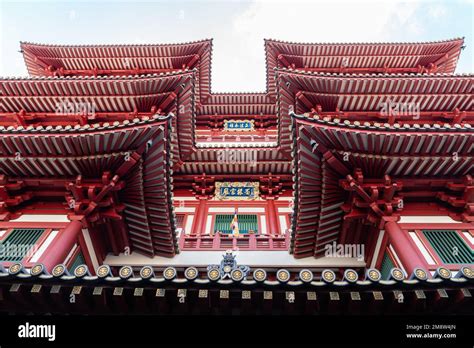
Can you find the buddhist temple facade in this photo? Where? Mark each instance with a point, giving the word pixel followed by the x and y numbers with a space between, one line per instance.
pixel 347 186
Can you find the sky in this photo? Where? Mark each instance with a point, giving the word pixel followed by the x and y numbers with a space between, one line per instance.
pixel 237 27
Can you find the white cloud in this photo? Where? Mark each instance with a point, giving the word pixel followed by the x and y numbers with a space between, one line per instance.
pixel 238 28
pixel 304 21
pixel 436 11
pixel 72 15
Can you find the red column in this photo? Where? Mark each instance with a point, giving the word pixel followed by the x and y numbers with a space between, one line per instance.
pixel 112 240
pixel 344 231
pixel 121 232
pixel 201 217
pixel 61 245
pixel 409 255
pixel 272 217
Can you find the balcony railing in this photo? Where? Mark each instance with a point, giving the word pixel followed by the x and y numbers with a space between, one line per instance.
pixel 243 242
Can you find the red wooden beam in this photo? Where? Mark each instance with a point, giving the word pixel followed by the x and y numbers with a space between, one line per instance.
pixel 192 62
pixel 61 245
pixel 441 60
pixel 302 97
pixel 284 61
pixel 96 198
pixel 405 248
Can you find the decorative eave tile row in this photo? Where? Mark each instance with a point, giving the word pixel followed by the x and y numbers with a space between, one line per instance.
pixel 35 79
pixel 190 290
pixel 393 150
pixel 158 194
pixel 396 127
pixel 79 140
pixel 464 275
pixel 259 145
pixel 317 214
pixel 51 167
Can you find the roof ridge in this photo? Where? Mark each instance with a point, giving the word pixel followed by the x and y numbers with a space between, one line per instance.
pixel 28 43
pixel 253 93
pixel 88 128
pixel 105 77
pixel 381 126
pixel 324 74
pixel 366 43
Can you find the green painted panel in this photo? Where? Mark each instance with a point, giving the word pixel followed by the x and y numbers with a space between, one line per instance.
pixel 246 223
pixel 78 260
pixel 449 246
pixel 387 265
pixel 18 243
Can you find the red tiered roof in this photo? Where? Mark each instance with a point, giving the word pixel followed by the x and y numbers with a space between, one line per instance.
pixel 80 60
pixel 230 104
pixel 35 101
pixel 136 156
pixel 437 56
pixel 206 160
pixel 219 107
pixel 345 83
pixel 236 106
pixel 326 152
pixel 441 98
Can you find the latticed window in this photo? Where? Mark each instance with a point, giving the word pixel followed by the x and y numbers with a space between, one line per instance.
pixel 78 260
pixel 19 244
pixel 449 246
pixel 180 221
pixel 247 223
pixel 387 265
